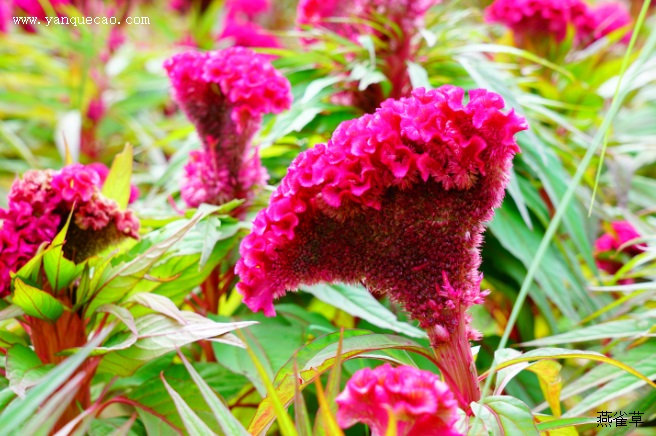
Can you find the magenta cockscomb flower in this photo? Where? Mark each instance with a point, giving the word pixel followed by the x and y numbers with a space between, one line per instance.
pixel 40 203
pixel 537 19
pixel 606 18
pixel 5 17
pixel 225 94
pixel 396 201
pixel 247 34
pixel 421 403
pixel 607 251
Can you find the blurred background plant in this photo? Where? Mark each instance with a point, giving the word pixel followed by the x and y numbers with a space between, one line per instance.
pixel 90 89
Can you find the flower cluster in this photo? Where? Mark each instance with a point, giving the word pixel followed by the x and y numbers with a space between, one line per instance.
pixel 396 200
pixel 225 94
pixel 40 203
pixel 241 25
pixel 421 403
pixel 537 19
pixel 607 246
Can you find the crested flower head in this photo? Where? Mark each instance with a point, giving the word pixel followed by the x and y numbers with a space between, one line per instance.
pixel 225 94
pixel 422 404
pixel 247 34
pixel 606 18
pixel 39 205
pixel 5 16
pixel 608 244
pixel 538 18
pixel 396 200
pixel 246 10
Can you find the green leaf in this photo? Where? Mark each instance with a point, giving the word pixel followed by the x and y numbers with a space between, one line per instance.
pixel 115 283
pixel 614 329
pixel 59 270
pixel 562 353
pixel 117 184
pixel 553 424
pixel 316 86
pixel 194 425
pixel 229 424
pixel 21 410
pixel 159 304
pixel 24 369
pixel 418 76
pixel 358 302
pixel 503 415
pixel 318 357
pixel 159 334
pixel 42 423
pixel 35 302
pixel 11 311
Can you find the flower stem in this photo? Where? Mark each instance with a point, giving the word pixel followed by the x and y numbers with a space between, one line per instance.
pixel 456 363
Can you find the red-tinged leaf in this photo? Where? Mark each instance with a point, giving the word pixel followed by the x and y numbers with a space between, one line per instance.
pixel 503 416
pixel 36 302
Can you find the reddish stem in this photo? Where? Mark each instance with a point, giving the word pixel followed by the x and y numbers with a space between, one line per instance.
pixel 455 360
pixel 49 339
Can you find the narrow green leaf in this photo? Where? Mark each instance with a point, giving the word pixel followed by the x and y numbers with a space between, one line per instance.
pixel 35 302
pixel 21 410
pixel 194 425
pixel 42 423
pixel 564 422
pixel 229 424
pixel 284 421
pixel 626 328
pixel 11 311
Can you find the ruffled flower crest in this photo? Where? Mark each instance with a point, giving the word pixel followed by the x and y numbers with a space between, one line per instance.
pixel 225 94
pixel 39 204
pixel 422 404
pixel 399 198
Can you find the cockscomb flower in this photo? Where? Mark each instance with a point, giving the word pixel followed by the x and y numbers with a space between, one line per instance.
pixel 246 34
pixel 5 16
pixel 225 94
pixel 606 18
pixel 422 404
pixel 607 245
pixel 396 200
pixel 39 205
pixel 537 19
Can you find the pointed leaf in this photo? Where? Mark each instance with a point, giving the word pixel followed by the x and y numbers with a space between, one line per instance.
pixel 229 424
pixel 159 334
pixel 35 302
pixel 194 425
pixel 24 369
pixel 117 184
pixel 505 416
